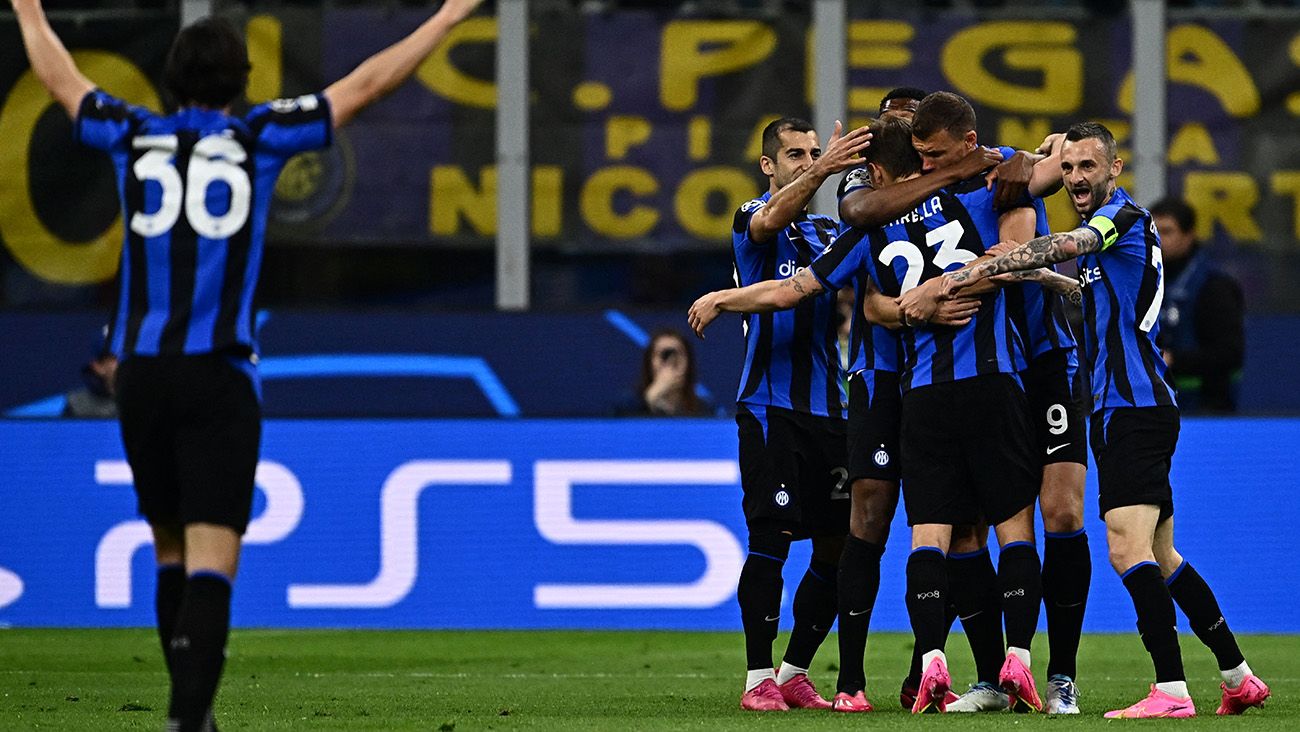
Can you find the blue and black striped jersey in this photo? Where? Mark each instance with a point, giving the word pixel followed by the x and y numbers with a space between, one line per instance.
pixel 1123 287
pixel 871 347
pixel 791 357
pixel 196 189
pixel 943 234
pixel 1039 311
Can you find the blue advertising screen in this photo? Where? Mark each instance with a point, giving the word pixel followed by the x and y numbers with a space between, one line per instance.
pixel 542 524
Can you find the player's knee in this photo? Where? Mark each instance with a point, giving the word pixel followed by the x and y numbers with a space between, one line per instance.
pixel 1169 560
pixel 968 539
pixel 771 539
pixel 1062 517
pixel 1061 501
pixel 874 502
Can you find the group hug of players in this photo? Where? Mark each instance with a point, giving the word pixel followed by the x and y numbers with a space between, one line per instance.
pixel 968 385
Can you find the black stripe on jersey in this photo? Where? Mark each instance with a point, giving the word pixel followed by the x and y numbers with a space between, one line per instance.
pixel 986 322
pixel 826 231
pixel 182 250
pixel 1126 216
pixel 1146 296
pixel 1015 297
pixel 801 339
pixel 1115 362
pixel 137 303
pixel 831 259
pixel 762 361
pixel 238 246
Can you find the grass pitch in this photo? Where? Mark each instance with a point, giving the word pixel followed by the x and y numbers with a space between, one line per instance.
pixel 353 680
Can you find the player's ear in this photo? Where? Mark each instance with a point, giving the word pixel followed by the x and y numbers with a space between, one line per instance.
pixel 1117 167
pixel 767 165
pixel 876 174
pixel 971 139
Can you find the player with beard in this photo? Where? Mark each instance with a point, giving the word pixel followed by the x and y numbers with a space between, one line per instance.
pixel 1134 421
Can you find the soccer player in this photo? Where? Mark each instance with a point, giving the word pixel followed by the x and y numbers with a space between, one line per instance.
pixel 1134 421
pixel 1001 468
pixel 944 131
pixel 790 416
pixel 196 187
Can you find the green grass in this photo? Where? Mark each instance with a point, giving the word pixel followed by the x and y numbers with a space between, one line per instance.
pixel 336 680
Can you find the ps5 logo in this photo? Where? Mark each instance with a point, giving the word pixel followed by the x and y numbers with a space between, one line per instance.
pixel 399 532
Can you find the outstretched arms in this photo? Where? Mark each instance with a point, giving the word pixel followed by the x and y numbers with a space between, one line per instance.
pixel 50 61
pixel 383 72
pixel 760 297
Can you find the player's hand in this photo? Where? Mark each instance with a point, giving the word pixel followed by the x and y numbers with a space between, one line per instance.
pixel 703 311
pixel 841 152
pixel 956 312
pixel 1002 247
pixel 1049 142
pixel 953 283
pixel 1012 176
pixel 919 304
pixel 977 161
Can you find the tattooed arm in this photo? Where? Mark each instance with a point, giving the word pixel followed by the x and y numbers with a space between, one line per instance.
pixel 1054 281
pixel 760 297
pixel 1032 254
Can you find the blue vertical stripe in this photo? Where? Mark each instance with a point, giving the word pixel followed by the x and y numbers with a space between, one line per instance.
pixel 208 280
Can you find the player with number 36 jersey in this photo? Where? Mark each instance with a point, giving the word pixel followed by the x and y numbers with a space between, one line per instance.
pixel 196 186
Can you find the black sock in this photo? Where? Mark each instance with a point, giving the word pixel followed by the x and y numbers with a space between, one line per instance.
pixel 927 597
pixel 1197 600
pixel 167 603
pixel 1020 580
pixel 859 581
pixel 759 595
pixel 974 586
pixel 199 647
pixel 1067 573
pixel 815 606
pixel 1155 619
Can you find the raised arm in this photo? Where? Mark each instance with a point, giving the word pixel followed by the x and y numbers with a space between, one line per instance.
pixel 761 297
pixel 50 61
pixel 1046 178
pixel 1035 253
pixel 870 207
pixel 788 203
pixel 386 70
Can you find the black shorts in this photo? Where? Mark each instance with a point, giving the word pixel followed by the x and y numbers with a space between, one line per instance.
pixel 192 428
pixel 967 452
pixel 1134 449
pixel 875 410
pixel 792 469
pixel 1054 388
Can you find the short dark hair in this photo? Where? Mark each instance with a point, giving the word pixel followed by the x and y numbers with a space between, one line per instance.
pixel 1177 209
pixel 903 92
pixel 207 65
pixel 891 147
pixel 1084 130
pixel 772 133
pixel 943 111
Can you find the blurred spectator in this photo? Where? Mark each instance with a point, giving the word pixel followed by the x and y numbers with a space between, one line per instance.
pixel 668 386
pixel 95 399
pixel 1202 332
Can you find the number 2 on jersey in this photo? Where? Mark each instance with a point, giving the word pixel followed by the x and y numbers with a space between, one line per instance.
pixel 947 237
pixel 214 159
